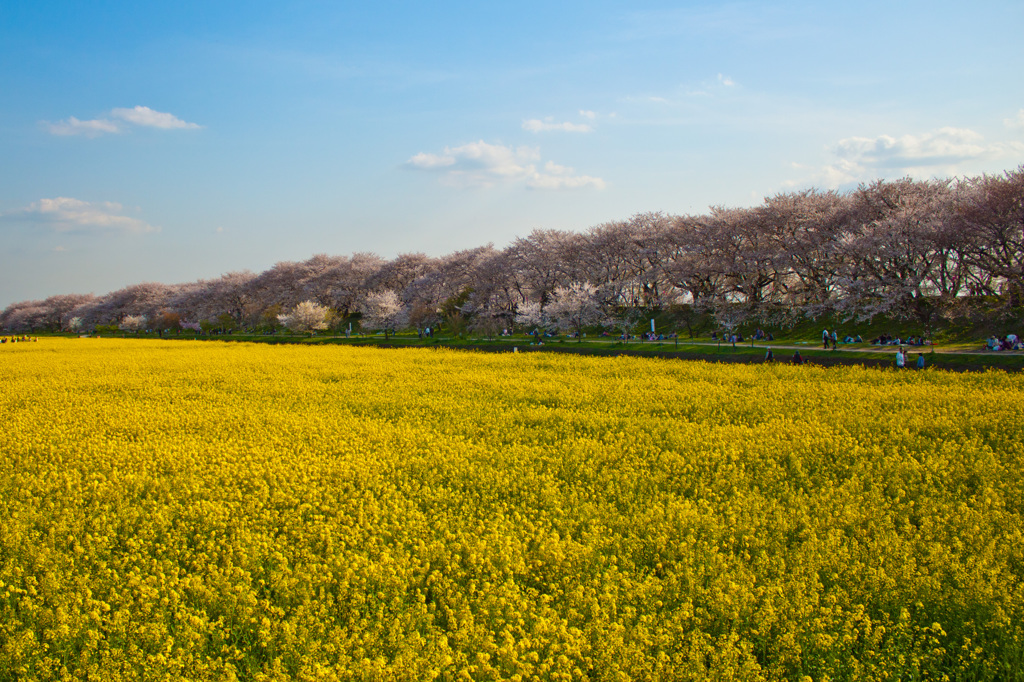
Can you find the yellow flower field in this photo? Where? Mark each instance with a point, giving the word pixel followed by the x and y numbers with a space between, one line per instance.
pixel 216 511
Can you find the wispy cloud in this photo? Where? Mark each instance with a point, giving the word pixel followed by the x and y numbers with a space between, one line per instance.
pixel 479 164
pixel 722 89
pixel 561 177
pixel 535 125
pixel 73 126
pixel 64 214
pixel 144 116
pixel 120 120
pixel 1017 122
pixel 426 161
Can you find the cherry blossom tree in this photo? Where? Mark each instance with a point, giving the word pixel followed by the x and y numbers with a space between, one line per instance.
pixel 445 288
pixel 544 261
pixel 60 309
pixel 399 273
pixel 305 317
pixel 889 251
pixel 24 316
pixel 990 210
pixel 230 294
pixel 384 311
pixel 345 282
pixel 692 265
pixel 806 228
pixel 146 299
pixel 496 292
pixel 644 252
pixel 624 319
pixel 282 284
pixel 607 265
pixel 747 258
pixel 576 307
pixel 132 323
pixel 531 314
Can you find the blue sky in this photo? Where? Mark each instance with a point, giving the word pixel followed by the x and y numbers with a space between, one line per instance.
pixel 177 141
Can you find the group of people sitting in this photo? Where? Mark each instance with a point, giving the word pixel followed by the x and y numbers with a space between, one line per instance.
pixel 728 338
pixel 887 340
pixel 1009 342
pixel 16 339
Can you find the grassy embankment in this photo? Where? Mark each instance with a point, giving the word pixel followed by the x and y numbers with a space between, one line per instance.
pixel 955 347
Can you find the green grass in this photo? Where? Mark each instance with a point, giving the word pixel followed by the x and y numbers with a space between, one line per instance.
pixel 959 346
pixel 947 357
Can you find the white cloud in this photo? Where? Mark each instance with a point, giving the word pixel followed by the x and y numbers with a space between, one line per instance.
pixel 944 152
pixel 64 214
pixel 495 159
pixel 726 81
pixel 588 114
pixel 479 164
pixel 535 125
pixel 428 161
pixel 73 126
pixel 144 116
pixel 940 148
pixel 561 177
pixel 138 116
pixel 554 169
pixel 1017 122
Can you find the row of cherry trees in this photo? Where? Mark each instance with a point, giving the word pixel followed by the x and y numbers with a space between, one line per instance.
pixel 903 248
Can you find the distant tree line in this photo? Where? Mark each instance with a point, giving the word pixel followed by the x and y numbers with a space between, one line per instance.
pixel 905 249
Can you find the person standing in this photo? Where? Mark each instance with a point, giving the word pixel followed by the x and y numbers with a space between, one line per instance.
pixel 920 360
pixel 901 360
pixel 769 356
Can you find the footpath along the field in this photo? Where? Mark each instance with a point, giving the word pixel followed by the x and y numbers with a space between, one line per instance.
pixel 956 360
pixel 957 356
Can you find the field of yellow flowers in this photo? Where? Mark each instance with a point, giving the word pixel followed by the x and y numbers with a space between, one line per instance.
pixel 215 511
